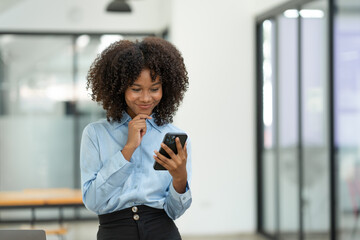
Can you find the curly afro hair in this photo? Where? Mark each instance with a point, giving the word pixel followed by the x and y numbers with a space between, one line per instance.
pixel 118 66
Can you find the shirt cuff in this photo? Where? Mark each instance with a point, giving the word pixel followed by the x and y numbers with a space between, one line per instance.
pixel 180 197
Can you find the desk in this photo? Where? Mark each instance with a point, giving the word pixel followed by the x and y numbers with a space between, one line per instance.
pixel 42 198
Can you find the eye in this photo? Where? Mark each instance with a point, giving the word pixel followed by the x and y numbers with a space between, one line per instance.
pixel 135 89
pixel 154 89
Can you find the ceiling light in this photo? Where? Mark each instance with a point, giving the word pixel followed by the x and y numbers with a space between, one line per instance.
pixel 106 40
pixel 304 13
pixel 311 13
pixel 291 13
pixel 82 41
pixel 118 6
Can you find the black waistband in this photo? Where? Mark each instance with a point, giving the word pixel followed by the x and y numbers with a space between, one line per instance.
pixel 128 213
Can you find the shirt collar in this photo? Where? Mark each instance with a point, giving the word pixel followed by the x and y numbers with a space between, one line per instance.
pixel 126 118
pixel 153 124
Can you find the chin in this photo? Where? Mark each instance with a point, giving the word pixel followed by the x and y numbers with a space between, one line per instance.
pixel 144 112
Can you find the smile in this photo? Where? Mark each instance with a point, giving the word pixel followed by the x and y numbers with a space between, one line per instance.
pixel 145 106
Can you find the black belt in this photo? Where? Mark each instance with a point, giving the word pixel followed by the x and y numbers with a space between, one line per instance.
pixel 135 212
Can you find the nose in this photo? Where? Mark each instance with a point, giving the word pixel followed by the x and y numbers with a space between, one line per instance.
pixel 145 96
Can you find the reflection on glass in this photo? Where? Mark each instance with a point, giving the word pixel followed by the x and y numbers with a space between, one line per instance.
pixel 268 128
pixel 315 123
pixel 347 116
pixel 44 106
pixel 88 110
pixel 268 83
pixel 36 131
pixel 288 127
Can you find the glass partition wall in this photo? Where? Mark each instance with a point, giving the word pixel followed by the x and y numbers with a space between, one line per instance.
pixel 44 106
pixel 347 116
pixel 308 120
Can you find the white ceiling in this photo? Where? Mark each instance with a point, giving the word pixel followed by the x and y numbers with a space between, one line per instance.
pixel 149 16
pixel 6 4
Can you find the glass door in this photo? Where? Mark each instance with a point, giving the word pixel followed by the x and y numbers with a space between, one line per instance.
pixel 269 151
pixel 295 169
pixel 347 116
pixel 315 121
pixel 288 115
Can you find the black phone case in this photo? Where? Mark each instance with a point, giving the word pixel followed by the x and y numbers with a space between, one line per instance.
pixel 169 140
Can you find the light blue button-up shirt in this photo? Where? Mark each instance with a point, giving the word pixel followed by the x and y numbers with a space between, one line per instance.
pixel 109 182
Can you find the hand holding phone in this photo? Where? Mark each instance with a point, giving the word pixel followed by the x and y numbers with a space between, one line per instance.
pixel 169 140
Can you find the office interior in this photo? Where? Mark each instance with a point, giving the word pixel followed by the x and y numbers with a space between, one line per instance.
pixel 272 110
pixel 307 94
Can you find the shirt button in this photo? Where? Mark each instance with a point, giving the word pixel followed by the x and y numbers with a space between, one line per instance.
pixel 134 209
pixel 136 217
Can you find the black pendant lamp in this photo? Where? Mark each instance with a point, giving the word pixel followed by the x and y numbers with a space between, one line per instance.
pixel 118 6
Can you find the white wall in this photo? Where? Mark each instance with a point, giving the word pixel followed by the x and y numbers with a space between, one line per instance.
pixel 217 41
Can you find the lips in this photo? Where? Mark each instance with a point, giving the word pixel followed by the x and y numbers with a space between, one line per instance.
pixel 145 106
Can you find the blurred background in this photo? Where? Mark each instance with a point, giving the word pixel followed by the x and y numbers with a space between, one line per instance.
pixel 272 109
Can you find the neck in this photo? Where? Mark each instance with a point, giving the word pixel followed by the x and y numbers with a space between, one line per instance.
pixel 131 113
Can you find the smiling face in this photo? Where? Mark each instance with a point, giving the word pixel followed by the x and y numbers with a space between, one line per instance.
pixel 144 95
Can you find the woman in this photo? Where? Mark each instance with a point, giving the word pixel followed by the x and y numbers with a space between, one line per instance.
pixel 140 85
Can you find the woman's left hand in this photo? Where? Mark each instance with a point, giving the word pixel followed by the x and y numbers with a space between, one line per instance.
pixel 176 165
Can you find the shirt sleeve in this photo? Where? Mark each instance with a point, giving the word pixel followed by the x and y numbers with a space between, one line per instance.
pixel 100 178
pixel 177 203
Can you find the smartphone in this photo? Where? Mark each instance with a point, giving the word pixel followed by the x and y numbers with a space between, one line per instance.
pixel 169 140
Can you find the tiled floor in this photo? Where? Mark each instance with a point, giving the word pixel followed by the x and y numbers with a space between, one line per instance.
pixel 87 231
pixel 225 237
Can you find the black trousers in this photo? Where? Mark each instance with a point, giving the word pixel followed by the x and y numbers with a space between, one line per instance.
pixel 137 223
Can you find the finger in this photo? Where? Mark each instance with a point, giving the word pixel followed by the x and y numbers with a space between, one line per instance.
pixel 140 123
pixel 179 147
pixel 142 116
pixel 143 132
pixel 142 129
pixel 164 160
pixel 160 156
pixel 185 150
pixel 163 163
pixel 137 123
pixel 169 151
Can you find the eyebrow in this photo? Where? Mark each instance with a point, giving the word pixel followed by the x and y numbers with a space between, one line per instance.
pixel 138 85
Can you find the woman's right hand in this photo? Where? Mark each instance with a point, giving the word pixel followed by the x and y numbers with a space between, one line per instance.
pixel 136 131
